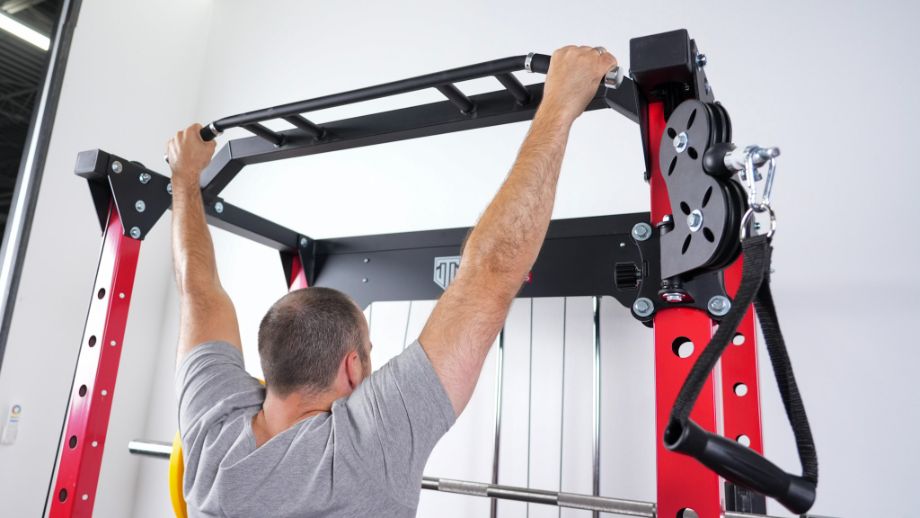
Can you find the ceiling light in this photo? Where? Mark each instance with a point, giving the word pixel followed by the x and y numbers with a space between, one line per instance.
pixel 17 28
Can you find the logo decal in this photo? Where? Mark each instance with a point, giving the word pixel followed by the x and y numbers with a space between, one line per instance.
pixel 445 269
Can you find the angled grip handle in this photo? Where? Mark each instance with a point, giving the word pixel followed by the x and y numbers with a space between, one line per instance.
pixel 741 465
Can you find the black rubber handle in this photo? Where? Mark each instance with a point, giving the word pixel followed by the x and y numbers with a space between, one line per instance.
pixel 539 63
pixel 207 133
pixel 739 464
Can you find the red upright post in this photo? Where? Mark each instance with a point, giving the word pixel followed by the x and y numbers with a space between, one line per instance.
pixel 80 458
pixel 683 483
pixel 298 278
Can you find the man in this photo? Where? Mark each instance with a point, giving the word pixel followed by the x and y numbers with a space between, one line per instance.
pixel 325 437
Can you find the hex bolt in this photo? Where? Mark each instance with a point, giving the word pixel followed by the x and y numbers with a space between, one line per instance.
pixel 641 231
pixel 169 188
pixel 366 260
pixel 700 60
pixel 364 279
pixel 695 220
pixel 140 206
pixel 135 232
pixel 219 207
pixel 681 142
pixel 719 305
pixel 643 307
pixel 304 242
pixel 144 178
pixel 117 167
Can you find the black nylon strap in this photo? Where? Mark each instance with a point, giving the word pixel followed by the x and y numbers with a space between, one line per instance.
pixel 754 288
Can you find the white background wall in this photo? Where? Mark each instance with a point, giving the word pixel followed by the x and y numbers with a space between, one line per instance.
pixel 829 82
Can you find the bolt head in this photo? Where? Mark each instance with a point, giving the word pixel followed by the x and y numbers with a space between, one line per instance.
pixel 364 279
pixel 117 168
pixel 140 206
pixel 144 178
pixel 169 188
pixel 219 208
pixel 701 60
pixel 641 231
pixel 643 307
pixel 304 242
pixel 135 232
pixel 719 305
pixel 695 220
pixel 681 142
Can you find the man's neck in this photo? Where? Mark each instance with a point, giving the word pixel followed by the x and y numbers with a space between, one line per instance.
pixel 280 413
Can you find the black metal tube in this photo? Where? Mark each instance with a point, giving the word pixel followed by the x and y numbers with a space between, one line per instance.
pixel 514 87
pixel 307 126
pixel 265 133
pixel 454 95
pixel 539 63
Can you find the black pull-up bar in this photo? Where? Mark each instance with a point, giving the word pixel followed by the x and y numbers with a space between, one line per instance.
pixel 443 81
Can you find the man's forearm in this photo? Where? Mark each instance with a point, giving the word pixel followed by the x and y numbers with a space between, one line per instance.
pixel 508 237
pixel 193 250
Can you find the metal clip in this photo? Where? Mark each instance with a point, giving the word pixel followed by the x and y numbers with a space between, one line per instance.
pixel 754 158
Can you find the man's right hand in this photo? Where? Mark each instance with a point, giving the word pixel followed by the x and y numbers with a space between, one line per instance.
pixel 573 78
pixel 188 154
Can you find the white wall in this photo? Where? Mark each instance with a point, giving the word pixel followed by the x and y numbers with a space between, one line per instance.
pixel 827 81
pixel 132 78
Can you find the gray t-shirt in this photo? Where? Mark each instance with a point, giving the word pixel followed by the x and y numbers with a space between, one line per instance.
pixel 363 458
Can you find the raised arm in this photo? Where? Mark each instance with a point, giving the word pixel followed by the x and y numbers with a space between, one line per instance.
pixel 503 246
pixel 206 312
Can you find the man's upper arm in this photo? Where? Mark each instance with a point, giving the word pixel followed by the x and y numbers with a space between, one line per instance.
pixel 462 328
pixel 206 316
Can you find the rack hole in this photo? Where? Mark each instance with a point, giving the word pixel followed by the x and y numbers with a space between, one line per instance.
pixel 707 196
pixel 744 440
pixel 62 495
pixel 741 389
pixel 72 442
pixel 101 293
pixel 92 341
pixel 738 339
pixel 708 235
pixel 683 249
pixel 672 166
pixel 682 347
pixel 691 119
pixel 82 390
pixel 672 133
pixel 692 152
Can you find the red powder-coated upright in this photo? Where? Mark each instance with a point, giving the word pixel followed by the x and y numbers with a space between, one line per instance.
pixel 80 458
pixel 683 483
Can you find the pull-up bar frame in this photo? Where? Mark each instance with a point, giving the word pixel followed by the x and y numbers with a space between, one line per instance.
pixel 610 258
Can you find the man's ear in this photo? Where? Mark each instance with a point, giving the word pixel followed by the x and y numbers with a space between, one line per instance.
pixel 354 369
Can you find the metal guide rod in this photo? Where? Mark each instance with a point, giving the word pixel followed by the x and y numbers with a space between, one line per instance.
pixel 596 474
pixel 499 393
pixel 619 506
pixel 565 307
pixel 539 63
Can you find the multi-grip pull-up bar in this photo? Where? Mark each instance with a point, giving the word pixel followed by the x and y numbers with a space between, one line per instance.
pixel 677 268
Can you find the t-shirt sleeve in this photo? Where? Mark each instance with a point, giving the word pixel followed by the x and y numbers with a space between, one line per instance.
pixel 212 385
pixel 397 416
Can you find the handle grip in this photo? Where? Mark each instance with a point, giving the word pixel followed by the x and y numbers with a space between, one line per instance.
pixel 739 464
pixel 539 63
pixel 209 132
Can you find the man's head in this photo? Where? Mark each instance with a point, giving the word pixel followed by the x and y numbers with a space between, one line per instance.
pixel 314 340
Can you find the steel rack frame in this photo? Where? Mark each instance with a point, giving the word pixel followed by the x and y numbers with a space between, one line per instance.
pixel 617 255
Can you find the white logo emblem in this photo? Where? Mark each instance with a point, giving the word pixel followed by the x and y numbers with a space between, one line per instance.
pixel 445 269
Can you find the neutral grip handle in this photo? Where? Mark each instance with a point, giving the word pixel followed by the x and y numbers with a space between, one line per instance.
pixel 739 464
pixel 539 64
